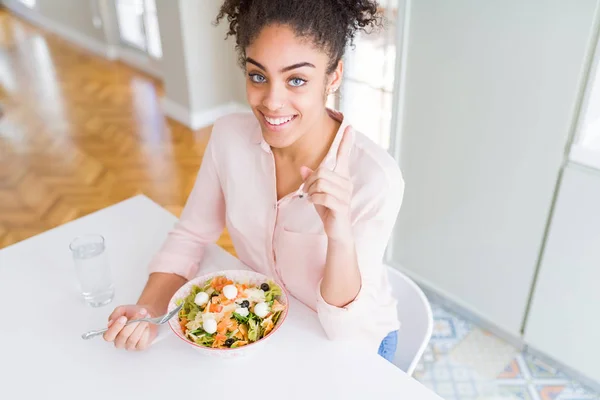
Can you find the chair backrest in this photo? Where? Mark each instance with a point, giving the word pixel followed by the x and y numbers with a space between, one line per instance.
pixel 416 321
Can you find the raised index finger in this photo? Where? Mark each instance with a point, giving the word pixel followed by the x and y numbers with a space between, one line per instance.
pixel 343 154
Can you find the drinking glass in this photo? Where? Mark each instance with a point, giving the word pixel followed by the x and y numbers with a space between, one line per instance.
pixel 92 269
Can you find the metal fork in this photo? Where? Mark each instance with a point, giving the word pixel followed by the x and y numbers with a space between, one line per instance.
pixel 157 321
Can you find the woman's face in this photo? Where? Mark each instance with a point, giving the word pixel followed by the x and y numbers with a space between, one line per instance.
pixel 286 84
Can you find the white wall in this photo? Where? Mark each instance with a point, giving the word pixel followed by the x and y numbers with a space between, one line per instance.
pixel 489 97
pixel 200 74
pixel 173 65
pixel 213 73
pixel 75 14
pixel 72 19
pixel 564 321
pixel 199 65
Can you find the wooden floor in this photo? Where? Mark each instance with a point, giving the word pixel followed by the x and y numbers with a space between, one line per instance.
pixel 79 133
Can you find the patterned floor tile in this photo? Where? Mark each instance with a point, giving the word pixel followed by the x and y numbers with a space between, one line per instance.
pixel 531 379
pixel 518 392
pixel 575 391
pixel 542 370
pixel 448 331
pixel 462 362
pixel 453 380
pixel 427 361
pixel 484 353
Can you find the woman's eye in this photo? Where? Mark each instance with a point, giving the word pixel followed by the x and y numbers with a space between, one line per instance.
pixel 297 82
pixel 256 78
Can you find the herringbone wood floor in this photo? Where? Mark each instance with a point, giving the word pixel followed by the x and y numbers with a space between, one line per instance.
pixel 80 133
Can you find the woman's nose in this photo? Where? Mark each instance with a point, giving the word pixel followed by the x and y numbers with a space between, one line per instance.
pixel 274 99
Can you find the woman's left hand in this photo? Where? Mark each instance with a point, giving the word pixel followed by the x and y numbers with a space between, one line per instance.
pixel 331 192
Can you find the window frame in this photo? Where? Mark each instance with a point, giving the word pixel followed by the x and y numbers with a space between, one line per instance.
pixel 579 152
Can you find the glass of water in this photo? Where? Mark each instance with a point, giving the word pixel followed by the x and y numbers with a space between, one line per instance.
pixel 93 272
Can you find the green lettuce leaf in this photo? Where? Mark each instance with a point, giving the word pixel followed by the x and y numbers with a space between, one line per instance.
pixel 273 292
pixel 276 317
pixel 253 331
pixel 206 286
pixel 192 315
pixel 240 319
pixel 205 340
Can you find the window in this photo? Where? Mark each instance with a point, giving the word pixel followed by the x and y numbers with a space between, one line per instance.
pixel 28 3
pixel 586 148
pixel 590 126
pixel 369 79
pixel 138 25
pixel 152 31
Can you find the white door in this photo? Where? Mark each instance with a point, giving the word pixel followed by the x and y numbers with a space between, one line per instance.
pixel 486 110
pixel 563 319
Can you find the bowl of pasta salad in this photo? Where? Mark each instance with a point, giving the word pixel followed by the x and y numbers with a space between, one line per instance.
pixel 228 313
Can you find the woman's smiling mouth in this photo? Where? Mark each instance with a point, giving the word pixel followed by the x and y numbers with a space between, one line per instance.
pixel 278 123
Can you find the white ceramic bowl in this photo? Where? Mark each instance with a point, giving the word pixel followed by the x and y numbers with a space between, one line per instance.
pixel 237 276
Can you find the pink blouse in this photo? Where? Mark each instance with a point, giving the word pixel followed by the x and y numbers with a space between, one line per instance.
pixel 284 239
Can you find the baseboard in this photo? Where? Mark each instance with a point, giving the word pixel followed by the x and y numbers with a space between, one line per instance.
pixel 570 372
pixel 200 119
pixel 208 117
pixel 112 52
pixel 93 45
pixel 448 301
pixel 139 61
pixel 176 111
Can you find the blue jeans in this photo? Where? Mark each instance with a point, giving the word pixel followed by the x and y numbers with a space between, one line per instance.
pixel 387 348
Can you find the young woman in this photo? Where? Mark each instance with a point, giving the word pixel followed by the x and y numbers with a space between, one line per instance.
pixel 306 199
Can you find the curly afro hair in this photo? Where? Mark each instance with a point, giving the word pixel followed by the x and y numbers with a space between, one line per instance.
pixel 330 24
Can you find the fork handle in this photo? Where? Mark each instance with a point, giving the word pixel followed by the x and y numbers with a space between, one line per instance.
pixel 92 334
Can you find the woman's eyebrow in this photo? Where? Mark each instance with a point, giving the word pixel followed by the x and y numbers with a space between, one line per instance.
pixel 298 65
pixel 285 69
pixel 252 61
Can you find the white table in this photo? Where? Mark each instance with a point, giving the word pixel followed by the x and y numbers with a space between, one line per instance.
pixel 43 356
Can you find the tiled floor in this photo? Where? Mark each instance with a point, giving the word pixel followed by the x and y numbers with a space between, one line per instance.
pixel 463 362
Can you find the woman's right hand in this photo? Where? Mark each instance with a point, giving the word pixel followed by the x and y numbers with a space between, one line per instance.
pixel 136 336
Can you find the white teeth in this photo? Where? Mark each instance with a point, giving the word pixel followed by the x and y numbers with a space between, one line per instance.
pixel 278 121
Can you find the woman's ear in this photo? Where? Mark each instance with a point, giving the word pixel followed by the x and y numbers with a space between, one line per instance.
pixel 335 78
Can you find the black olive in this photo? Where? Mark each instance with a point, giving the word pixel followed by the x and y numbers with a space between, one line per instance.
pixel 265 287
pixel 245 304
pixel 229 342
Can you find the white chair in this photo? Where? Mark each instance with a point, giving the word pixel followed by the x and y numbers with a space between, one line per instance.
pixel 416 321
